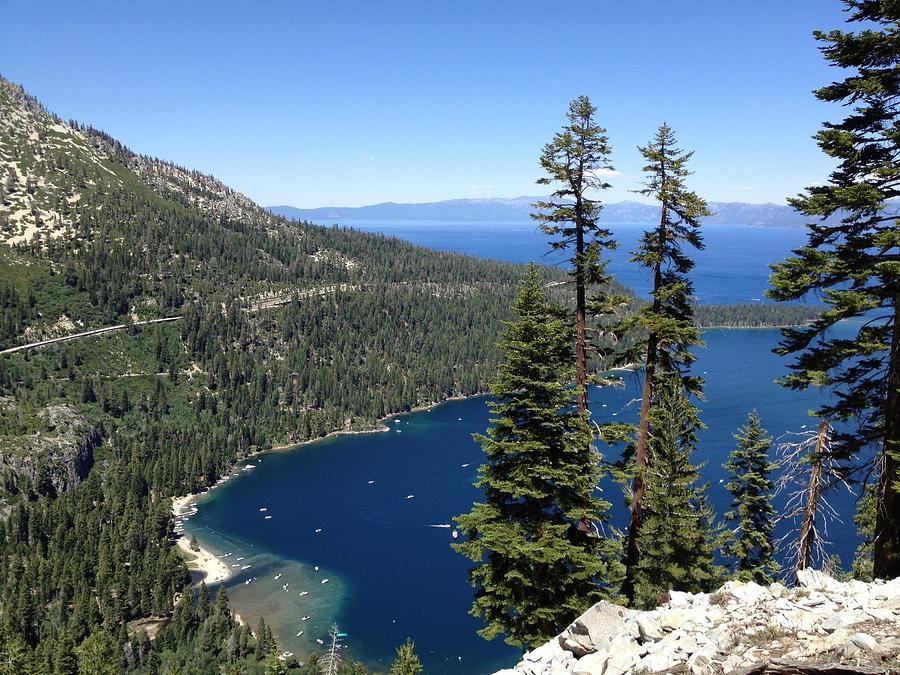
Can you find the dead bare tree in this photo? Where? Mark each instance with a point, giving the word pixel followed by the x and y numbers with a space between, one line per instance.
pixel 809 471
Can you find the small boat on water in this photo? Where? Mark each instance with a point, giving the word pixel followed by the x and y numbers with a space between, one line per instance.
pixel 302 593
pixel 300 633
pixel 410 496
pixel 268 517
pixel 285 586
pixel 324 581
pixel 277 576
pixel 454 534
pixel 320 641
pixel 318 529
pixel 305 618
pixel 286 655
pixel 227 554
pixel 263 509
pixel 247 582
pixel 239 559
pixel 246 567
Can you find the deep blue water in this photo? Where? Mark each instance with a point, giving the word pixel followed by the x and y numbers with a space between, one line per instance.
pixel 376 497
pixel 734 266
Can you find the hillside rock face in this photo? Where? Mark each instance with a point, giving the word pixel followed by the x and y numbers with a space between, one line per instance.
pixel 61 455
pixel 742 624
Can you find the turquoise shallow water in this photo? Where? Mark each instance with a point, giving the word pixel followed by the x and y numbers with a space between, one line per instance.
pixel 378 501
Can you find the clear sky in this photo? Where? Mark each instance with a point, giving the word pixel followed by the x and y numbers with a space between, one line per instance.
pixel 331 102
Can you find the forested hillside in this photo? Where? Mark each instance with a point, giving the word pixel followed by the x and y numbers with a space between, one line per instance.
pixel 284 331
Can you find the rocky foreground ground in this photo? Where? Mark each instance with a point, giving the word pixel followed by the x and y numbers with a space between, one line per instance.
pixel 821 625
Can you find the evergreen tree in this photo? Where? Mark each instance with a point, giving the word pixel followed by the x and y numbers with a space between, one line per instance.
pixel 407 661
pixel 576 159
pixel 750 545
pixel 668 321
pixel 536 569
pixel 864 519
pixel 99 654
pixel 852 261
pixel 678 541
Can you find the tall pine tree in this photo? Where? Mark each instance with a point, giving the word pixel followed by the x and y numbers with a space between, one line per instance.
pixel 749 545
pixel 668 321
pixel 536 568
pixel 852 261
pixel 576 160
pixel 677 536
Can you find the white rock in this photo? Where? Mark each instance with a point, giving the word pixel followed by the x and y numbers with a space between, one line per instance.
pixel 544 653
pixel 679 599
pixel 648 628
pixel 591 664
pixel 673 618
pixel 657 662
pixel 700 664
pixel 864 641
pixel 621 661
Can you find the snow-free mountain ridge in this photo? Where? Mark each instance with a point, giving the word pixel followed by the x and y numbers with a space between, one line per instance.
pixel 520 208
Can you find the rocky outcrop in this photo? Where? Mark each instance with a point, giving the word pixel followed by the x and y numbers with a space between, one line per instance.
pixel 742 627
pixel 60 454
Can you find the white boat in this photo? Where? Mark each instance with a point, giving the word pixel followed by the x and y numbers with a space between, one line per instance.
pixel 300 633
pixel 324 581
pixel 247 582
pixel 410 496
pixel 268 517
pixel 239 559
pixel 302 593
pixel 245 567
pixel 277 576
pixel 305 618
pixel 454 534
pixel 319 641
pixel 285 586
pixel 263 509
pixel 318 529
pixel 316 568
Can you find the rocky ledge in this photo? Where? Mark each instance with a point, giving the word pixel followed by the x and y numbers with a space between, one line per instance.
pixel 62 449
pixel 821 625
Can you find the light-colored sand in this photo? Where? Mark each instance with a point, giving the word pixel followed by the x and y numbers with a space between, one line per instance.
pixel 214 570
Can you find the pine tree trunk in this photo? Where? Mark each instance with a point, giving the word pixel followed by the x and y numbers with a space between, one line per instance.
pixel 807 540
pixel 580 312
pixel 633 549
pixel 887 514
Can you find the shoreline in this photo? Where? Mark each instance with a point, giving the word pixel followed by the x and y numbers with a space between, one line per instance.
pixel 213 570
pixel 380 425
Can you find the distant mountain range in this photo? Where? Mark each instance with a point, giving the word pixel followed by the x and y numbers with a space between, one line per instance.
pixel 519 208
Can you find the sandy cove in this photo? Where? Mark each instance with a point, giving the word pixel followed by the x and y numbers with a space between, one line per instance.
pixel 214 570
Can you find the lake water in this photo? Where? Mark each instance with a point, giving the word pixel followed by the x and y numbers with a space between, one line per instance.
pixel 369 510
pixel 734 266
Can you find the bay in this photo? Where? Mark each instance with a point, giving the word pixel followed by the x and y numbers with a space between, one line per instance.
pixel 371 511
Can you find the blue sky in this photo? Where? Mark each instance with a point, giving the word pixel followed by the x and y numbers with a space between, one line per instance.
pixel 350 103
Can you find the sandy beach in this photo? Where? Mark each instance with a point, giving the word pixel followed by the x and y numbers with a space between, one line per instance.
pixel 214 570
